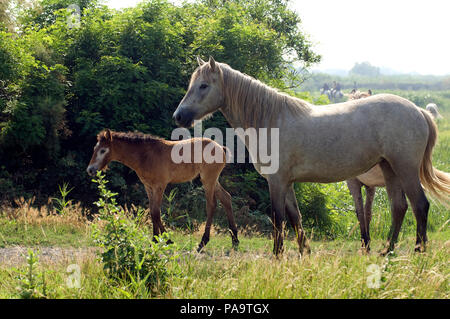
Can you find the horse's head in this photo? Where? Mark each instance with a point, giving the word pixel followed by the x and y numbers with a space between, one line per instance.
pixel 102 153
pixel 204 94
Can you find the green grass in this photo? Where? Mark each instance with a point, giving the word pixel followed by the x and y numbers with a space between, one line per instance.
pixel 333 270
pixel 15 232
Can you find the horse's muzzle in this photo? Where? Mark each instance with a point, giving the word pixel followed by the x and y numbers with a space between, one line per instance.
pixel 184 118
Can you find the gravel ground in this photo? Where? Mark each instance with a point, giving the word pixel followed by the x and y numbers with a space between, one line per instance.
pixel 16 255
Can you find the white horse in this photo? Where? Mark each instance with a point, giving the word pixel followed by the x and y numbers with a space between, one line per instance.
pixel 326 143
pixel 433 109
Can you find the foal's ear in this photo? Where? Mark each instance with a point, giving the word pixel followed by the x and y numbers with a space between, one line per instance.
pixel 107 135
pixel 212 63
pixel 200 61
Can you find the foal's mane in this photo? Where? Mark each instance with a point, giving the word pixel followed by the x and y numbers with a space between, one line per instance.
pixel 253 102
pixel 131 137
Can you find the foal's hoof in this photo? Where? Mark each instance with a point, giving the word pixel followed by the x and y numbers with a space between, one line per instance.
pixel 235 244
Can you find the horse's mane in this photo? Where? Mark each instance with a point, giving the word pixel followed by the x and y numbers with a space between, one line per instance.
pixel 253 102
pixel 131 137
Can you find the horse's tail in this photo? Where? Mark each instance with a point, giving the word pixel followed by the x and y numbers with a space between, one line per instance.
pixel 436 182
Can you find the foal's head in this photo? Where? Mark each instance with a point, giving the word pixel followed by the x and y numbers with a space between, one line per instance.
pixel 204 94
pixel 102 153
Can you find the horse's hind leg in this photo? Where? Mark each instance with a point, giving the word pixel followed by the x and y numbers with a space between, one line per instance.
pixel 398 204
pixel 370 194
pixel 295 218
pixel 408 174
pixel 354 186
pixel 225 199
pixel 420 206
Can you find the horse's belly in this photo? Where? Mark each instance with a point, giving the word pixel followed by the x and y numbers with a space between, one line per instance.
pixel 331 169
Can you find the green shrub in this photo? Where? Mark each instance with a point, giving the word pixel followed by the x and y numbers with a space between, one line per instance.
pixel 129 254
pixel 32 284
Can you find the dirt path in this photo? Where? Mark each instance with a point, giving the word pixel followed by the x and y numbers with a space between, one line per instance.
pixel 16 255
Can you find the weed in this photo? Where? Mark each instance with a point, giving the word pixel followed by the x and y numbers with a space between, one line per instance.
pixel 130 254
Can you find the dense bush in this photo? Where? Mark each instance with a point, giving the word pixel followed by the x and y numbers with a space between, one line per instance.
pixel 125 70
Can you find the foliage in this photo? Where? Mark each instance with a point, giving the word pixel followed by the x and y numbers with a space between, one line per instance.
pixel 32 285
pixel 129 253
pixel 62 203
pixel 126 70
pixel 365 69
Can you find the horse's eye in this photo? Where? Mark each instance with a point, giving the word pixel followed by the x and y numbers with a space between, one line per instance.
pixel 203 86
pixel 102 151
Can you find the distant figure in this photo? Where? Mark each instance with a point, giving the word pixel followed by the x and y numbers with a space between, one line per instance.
pixel 336 93
pixel 433 109
pixel 325 89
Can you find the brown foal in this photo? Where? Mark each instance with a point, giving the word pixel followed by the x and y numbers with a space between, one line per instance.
pixel 151 158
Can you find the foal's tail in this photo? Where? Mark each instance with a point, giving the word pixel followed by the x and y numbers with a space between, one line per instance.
pixel 436 182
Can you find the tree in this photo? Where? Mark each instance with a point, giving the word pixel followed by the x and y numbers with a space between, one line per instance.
pixel 124 70
pixel 365 69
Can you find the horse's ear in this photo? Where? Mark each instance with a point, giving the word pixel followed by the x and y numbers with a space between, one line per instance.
pixel 107 135
pixel 353 91
pixel 200 61
pixel 370 92
pixel 212 63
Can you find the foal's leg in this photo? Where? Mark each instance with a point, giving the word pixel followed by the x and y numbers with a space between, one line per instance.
pixel 354 186
pixel 211 204
pixel 295 218
pixel 277 189
pixel 155 209
pixel 225 199
pixel 398 204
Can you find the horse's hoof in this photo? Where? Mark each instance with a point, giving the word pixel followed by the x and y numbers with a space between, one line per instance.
pixel 385 252
pixel 235 245
pixel 306 251
pixel 419 248
pixel 200 247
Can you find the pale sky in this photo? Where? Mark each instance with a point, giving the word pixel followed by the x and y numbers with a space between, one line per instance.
pixel 404 35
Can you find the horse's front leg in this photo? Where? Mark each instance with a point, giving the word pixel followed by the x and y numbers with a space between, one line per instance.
pixel 295 217
pixel 277 189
